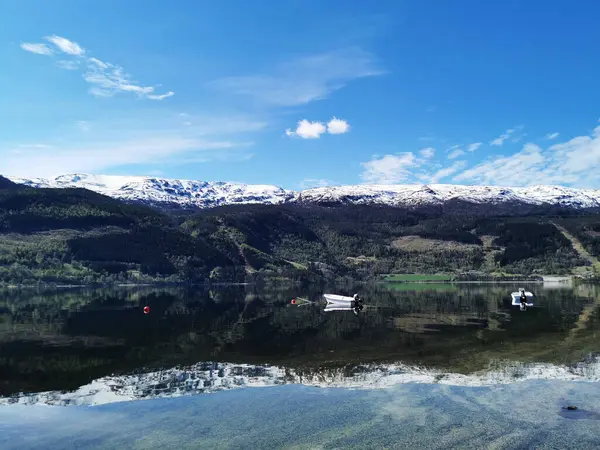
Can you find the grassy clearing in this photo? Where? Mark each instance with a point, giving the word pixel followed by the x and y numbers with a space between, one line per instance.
pixel 297 265
pixel 419 244
pixel 416 277
pixel 578 246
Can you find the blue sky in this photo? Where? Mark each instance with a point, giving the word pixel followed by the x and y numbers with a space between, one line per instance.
pixel 303 93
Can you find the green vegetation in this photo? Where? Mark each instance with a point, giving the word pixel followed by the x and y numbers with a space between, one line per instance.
pixel 74 236
pixel 410 277
pixel 585 237
pixel 413 287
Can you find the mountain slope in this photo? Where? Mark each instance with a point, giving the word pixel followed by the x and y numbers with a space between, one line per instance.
pixel 78 236
pixel 5 183
pixel 202 194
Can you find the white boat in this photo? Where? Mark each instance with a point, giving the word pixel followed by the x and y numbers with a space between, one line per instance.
pixel 516 298
pixel 340 300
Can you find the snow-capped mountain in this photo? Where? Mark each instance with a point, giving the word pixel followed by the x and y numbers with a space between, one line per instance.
pixel 210 377
pixel 206 194
pixel 438 194
pixel 186 193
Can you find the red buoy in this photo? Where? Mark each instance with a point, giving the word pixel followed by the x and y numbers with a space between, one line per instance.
pixel 146 309
pixel 293 301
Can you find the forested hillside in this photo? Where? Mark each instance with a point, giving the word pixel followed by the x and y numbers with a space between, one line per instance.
pixel 78 236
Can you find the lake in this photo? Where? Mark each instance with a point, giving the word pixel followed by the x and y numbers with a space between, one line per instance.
pixel 458 354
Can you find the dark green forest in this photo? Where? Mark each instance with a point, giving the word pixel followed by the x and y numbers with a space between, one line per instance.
pixel 75 236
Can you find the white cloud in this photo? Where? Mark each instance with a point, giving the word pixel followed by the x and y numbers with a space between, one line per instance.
pixel 514 170
pixel 428 152
pixel 313 130
pixel 389 169
pixel 304 79
pixel 337 126
pixel 94 157
pixel 307 130
pixel 66 46
pixel 161 97
pixel 474 146
pixel 68 65
pixel 552 136
pixel 456 153
pixel 575 162
pixel 38 49
pixel 106 79
pixel 447 171
pixel 503 137
pixel 123 141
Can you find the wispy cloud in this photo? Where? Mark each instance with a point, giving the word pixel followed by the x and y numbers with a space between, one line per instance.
pixel 106 79
pixel 65 45
pixel 409 167
pixel 575 162
pixel 474 146
pixel 101 148
pixel 390 169
pixel 447 171
pixel 552 136
pixel 303 79
pixel 38 49
pixel 161 96
pixel 503 137
pixel 428 152
pixel 456 153
pixel 306 129
pixel 68 65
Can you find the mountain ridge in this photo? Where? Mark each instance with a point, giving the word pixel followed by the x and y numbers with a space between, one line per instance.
pixel 192 194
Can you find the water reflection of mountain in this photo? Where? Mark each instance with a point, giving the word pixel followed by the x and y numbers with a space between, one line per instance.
pixel 64 340
pixel 211 377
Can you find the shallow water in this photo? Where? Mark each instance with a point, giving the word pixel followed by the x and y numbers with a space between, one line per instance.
pixel 524 415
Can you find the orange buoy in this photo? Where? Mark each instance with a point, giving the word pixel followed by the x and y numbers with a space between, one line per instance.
pixel 146 309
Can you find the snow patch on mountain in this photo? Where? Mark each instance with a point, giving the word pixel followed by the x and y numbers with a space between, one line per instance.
pixel 210 377
pixel 206 194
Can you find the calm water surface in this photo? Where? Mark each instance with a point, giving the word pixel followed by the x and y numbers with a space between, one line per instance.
pixel 437 348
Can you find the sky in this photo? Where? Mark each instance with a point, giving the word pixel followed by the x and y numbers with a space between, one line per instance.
pixel 303 93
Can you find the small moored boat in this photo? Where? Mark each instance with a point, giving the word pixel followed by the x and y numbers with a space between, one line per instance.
pixel 341 300
pixel 516 298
